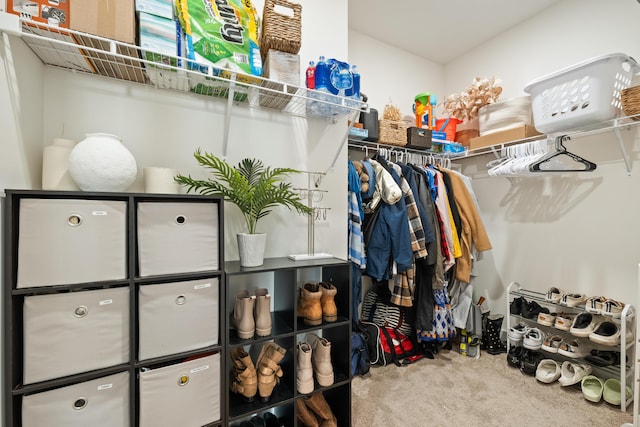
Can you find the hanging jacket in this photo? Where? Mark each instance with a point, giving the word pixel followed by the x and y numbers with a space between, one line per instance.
pixel 389 240
pixel 473 231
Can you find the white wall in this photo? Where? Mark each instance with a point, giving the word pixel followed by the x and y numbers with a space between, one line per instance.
pixel 163 128
pixel 391 75
pixel 574 231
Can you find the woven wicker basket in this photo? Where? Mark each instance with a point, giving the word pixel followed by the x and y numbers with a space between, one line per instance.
pixel 630 98
pixel 393 132
pixel 279 31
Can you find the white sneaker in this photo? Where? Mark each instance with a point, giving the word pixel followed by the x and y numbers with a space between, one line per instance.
pixel 554 294
pixel 516 333
pixel 532 339
pixel 572 300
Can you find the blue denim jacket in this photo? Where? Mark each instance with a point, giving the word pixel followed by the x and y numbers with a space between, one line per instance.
pixel 390 239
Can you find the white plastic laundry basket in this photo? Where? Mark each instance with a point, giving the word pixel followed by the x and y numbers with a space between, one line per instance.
pixel 583 94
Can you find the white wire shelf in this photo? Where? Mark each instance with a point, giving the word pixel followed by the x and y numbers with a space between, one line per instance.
pixel 86 53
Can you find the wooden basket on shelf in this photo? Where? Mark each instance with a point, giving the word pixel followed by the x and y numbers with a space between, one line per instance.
pixel 392 132
pixel 630 98
pixel 281 31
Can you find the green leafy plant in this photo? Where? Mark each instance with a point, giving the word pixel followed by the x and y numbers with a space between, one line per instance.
pixel 252 187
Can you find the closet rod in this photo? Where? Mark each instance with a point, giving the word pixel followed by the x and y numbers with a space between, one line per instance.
pixel 375 146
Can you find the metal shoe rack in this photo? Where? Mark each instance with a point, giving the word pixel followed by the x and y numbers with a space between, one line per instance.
pixel 625 372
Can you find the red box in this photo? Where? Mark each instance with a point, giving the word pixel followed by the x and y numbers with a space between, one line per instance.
pixel 52 12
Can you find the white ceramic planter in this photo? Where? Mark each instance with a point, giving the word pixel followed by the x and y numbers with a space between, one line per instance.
pixel 101 163
pixel 251 249
pixel 55 166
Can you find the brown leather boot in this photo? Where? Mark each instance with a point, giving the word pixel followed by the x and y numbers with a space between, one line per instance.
pixel 304 415
pixel 262 312
pixel 243 314
pixel 309 306
pixel 321 359
pixel 319 406
pixel 269 370
pixel 244 380
pixel 329 309
pixel 304 371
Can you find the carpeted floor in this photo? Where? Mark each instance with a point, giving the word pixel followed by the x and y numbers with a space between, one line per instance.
pixel 453 390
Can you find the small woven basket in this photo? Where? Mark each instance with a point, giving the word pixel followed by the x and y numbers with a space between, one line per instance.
pixel 281 31
pixel 393 132
pixel 630 98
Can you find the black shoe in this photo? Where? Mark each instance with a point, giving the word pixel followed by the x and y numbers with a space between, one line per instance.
pixel 530 361
pixel 257 421
pixel 603 357
pixel 514 356
pixel 270 420
pixel 531 309
pixel 516 305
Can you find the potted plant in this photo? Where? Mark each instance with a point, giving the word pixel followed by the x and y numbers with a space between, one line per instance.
pixel 254 189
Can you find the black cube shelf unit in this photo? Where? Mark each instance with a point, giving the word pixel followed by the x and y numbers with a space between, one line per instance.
pixel 112 309
pixel 118 308
pixel 282 277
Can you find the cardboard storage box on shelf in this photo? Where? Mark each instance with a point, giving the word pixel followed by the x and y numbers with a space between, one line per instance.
pixel 112 19
pixel 46 11
pixel 505 115
pixel 282 67
pixel 521 132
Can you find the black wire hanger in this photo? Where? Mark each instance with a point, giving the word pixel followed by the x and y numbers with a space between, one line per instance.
pixel 561 151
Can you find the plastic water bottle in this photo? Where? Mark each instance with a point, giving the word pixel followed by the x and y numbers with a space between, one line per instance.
pixel 311 75
pixel 322 74
pixel 321 85
pixel 354 91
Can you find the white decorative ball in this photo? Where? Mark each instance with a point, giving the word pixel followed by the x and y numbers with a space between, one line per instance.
pixel 101 163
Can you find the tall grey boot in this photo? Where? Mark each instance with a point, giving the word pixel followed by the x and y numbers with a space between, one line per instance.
pixel 494 344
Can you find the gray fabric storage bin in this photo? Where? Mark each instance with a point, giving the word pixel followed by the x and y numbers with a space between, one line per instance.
pixel 63 241
pixel 178 316
pixel 177 237
pixel 74 332
pixel 103 402
pixel 185 395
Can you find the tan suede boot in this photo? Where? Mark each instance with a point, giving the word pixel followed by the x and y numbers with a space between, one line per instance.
pixel 329 309
pixel 304 371
pixel 319 406
pixel 321 359
pixel 309 306
pixel 262 312
pixel 269 370
pixel 243 314
pixel 244 380
pixel 304 415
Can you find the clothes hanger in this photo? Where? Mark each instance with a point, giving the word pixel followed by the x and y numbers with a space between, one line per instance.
pixel 561 151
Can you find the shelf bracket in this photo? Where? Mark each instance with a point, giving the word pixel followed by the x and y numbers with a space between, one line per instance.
pixel 345 139
pixel 623 151
pixel 227 115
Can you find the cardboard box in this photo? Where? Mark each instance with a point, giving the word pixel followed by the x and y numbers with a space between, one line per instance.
pixel 112 19
pixel 509 135
pixel 284 68
pixel 52 12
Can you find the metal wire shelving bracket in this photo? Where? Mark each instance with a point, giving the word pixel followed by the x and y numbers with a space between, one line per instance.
pixel 94 55
pixel 615 125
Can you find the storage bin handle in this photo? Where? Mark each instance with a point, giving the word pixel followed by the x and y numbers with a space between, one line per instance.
pixel 279 6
